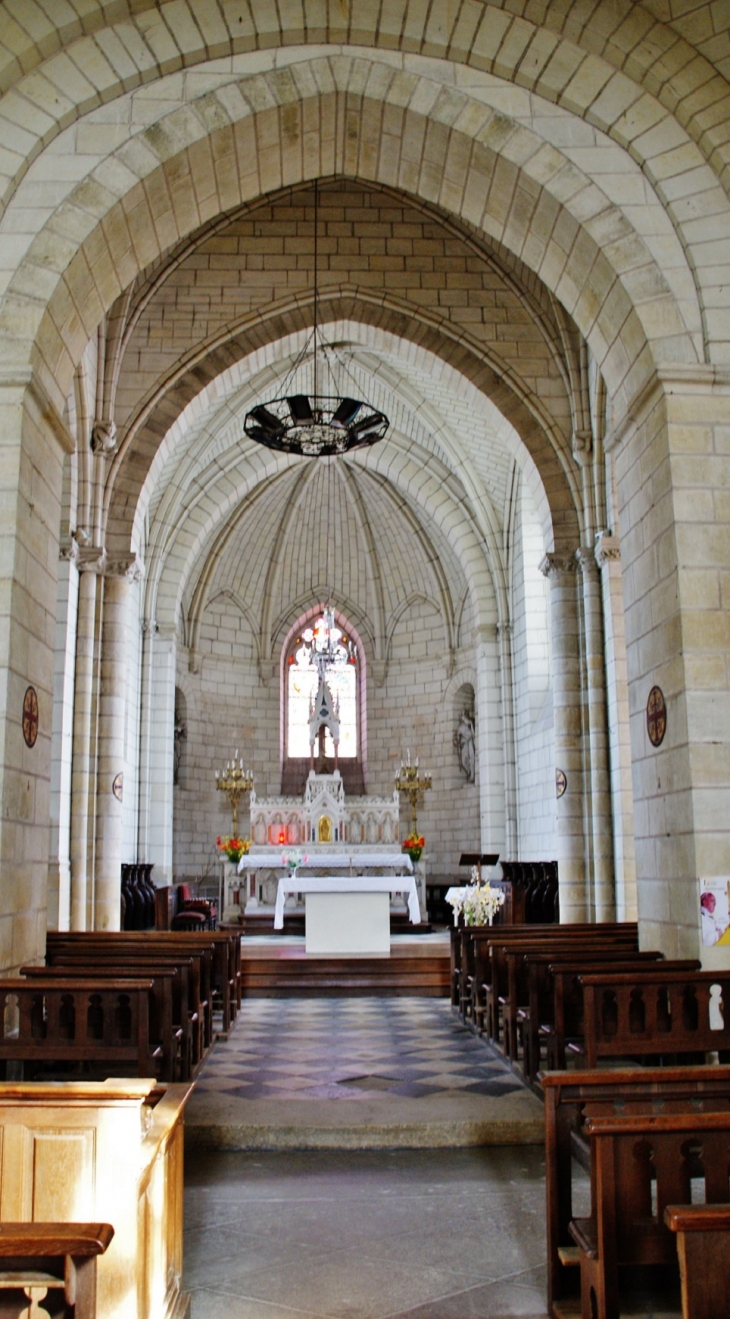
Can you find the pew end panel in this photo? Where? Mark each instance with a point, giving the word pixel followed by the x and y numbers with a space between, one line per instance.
pixel 104 1151
pixel 703 1247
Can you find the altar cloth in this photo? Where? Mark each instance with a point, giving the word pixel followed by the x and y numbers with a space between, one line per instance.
pixel 335 860
pixel 347 884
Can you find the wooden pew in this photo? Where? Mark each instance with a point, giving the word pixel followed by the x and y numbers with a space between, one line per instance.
pixel 167 1006
pixel 569 1096
pixel 59 1257
pixel 140 948
pixel 81 1021
pixel 626 1226
pixel 477 941
pixel 703 1247
pixel 567 1024
pixel 536 1018
pixel 654 1013
pixel 507 986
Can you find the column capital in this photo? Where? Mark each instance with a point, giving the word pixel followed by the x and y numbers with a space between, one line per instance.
pixel 585 558
pixel 552 565
pixel 91 558
pixel 607 548
pixel 128 566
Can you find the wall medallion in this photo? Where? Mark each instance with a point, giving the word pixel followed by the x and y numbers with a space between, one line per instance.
pixel 118 786
pixel 30 716
pixel 561 782
pixel 656 716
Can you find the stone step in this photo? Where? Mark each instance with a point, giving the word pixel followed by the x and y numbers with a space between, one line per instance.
pixel 299 975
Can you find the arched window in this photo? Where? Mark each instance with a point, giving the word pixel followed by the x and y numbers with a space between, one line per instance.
pixel 300 680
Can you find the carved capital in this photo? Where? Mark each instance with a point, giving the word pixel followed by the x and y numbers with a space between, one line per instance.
pixel 128 566
pixel 91 558
pixel 585 558
pixel 104 438
pixel 607 548
pixel 70 551
pixel 554 564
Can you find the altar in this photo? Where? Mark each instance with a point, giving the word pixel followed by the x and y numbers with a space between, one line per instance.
pixel 329 836
pixel 347 914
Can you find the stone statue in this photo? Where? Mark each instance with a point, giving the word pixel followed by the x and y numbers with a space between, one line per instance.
pixel 181 733
pixel 464 741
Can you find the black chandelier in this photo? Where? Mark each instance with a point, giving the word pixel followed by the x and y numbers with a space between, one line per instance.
pixel 315 425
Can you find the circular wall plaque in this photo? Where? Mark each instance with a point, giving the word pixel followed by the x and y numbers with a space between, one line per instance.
pixel 656 716
pixel 118 786
pixel 561 782
pixel 30 716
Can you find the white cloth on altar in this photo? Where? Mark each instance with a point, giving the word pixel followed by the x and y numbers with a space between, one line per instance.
pixel 347 884
pixel 457 895
pixel 333 860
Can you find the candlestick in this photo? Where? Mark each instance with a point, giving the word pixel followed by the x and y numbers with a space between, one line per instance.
pixel 234 782
pixel 413 785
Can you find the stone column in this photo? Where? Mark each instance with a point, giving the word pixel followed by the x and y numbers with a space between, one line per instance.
pixel 91 561
pixel 598 786
pixel 672 452
pixel 504 634
pixel 157 738
pixel 489 741
pixel 109 784
pixel 608 558
pixel 565 673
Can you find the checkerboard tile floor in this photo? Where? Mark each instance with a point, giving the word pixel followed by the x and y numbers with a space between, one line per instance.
pixel 345 1048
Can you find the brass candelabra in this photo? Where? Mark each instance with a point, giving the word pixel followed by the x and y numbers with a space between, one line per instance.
pixel 413 784
pixel 234 780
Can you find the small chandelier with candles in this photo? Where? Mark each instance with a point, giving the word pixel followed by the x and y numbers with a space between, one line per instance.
pixel 316 424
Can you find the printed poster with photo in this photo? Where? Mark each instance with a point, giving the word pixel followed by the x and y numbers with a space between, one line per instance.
pixel 714 911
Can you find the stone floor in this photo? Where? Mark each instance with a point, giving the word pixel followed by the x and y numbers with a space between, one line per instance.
pixel 357 1073
pixel 441 1234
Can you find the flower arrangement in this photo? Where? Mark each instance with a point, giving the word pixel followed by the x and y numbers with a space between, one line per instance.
pixel 293 859
pixel 233 847
pixel 414 845
pixel 481 903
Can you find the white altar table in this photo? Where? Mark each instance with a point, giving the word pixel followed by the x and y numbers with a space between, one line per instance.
pixel 347 914
pixel 318 858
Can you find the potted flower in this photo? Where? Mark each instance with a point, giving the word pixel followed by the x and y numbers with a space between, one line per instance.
pixel 481 903
pixel 293 859
pixel 234 848
pixel 414 845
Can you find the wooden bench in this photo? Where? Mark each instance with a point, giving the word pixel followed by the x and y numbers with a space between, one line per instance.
pixel 568 1097
pixel 59 1258
pixel 640 1163
pixel 506 989
pixel 703 1247
pixel 187 1012
pixel 657 1013
pixel 536 1020
pixel 166 1008
pixel 476 942
pixel 57 1021
pixel 143 949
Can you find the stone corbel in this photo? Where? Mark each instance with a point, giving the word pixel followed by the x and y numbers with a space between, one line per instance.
pixel 607 548
pixel 267 670
pixel 582 446
pixel 378 671
pixel 104 438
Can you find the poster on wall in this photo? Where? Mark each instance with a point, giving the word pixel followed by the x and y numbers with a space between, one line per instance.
pixel 714 912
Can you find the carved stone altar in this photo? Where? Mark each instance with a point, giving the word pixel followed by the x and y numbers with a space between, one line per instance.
pixel 324 816
pixel 322 822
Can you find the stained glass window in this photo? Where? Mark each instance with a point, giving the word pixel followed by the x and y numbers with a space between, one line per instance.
pixel 302 680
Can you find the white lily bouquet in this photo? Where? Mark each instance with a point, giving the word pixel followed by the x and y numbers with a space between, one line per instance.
pixel 481 904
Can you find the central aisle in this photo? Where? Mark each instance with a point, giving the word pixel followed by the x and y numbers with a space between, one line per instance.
pixel 443 1234
pixel 357 1073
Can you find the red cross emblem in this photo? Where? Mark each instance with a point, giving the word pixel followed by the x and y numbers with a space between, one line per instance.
pixel 656 716
pixel 30 716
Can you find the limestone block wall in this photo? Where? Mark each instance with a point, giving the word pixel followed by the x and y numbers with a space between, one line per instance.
pixel 229 708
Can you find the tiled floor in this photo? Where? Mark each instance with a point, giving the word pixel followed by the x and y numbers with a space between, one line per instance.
pixel 443 1234
pixel 351 1048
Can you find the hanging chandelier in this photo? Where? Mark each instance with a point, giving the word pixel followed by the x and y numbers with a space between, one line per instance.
pixel 315 424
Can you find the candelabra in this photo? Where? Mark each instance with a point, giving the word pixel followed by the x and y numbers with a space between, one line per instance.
pixel 234 780
pixel 412 784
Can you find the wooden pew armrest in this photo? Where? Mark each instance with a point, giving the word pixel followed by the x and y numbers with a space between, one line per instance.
pixel 698 1218
pixel 583 1232
pixel 43 1239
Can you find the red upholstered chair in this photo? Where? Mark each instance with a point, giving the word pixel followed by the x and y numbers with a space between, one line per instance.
pixel 193 913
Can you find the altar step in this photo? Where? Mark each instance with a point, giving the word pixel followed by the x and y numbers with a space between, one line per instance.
pixel 262 922
pixel 295 975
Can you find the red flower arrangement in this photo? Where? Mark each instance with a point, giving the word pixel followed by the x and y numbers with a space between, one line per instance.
pixel 414 845
pixel 234 848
